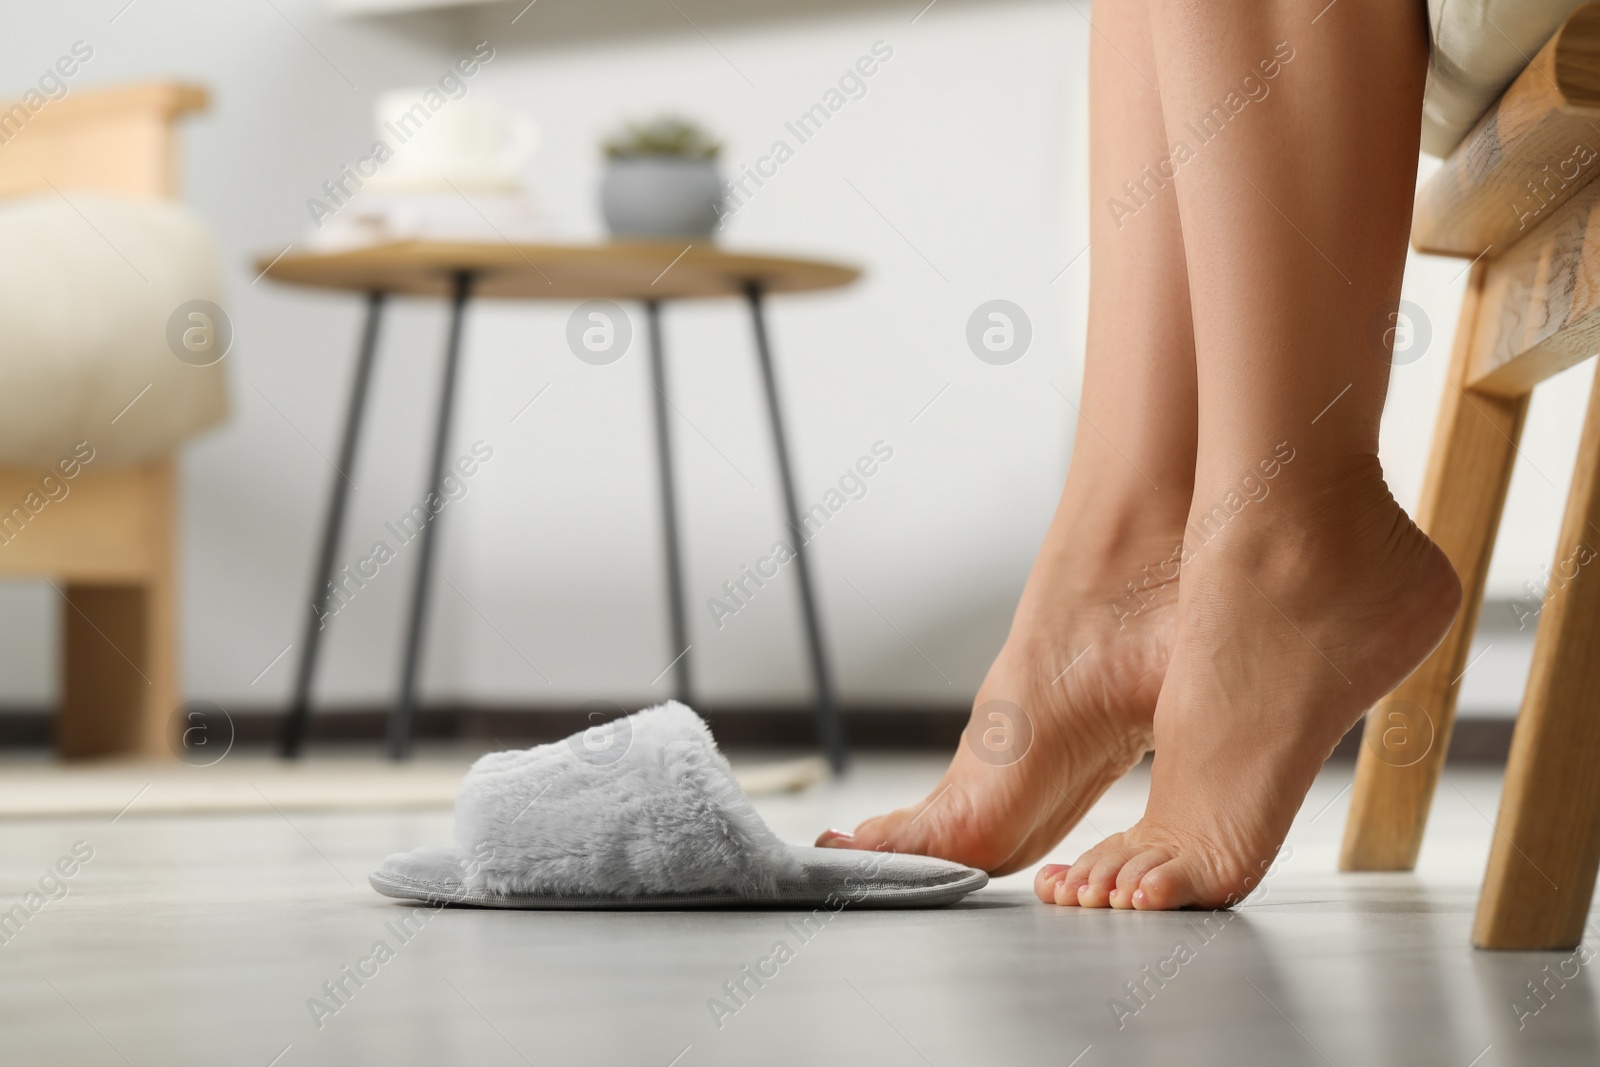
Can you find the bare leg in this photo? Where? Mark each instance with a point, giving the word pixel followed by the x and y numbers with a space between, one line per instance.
pixel 1122 511
pixel 1307 594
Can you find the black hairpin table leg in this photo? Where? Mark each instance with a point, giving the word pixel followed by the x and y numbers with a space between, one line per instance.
pixel 829 727
pixel 401 719
pixel 294 728
pixel 681 687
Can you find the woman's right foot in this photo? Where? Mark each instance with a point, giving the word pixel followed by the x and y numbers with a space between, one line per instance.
pixel 1292 627
pixel 1065 711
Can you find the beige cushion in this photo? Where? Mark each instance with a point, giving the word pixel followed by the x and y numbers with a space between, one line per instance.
pixel 1479 47
pixel 87 286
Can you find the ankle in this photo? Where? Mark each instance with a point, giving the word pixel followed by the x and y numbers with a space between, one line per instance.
pixel 1290 497
pixel 1108 525
pixel 1324 530
pixel 1113 569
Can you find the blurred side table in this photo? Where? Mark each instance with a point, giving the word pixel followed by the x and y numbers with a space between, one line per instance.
pixel 647 272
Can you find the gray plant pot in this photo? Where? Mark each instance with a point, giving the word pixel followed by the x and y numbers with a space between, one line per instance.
pixel 660 196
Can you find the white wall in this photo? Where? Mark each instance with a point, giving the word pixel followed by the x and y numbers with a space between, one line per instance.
pixel 968 141
pixel 966 157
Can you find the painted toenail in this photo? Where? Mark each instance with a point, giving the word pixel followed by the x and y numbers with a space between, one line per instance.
pixel 838 835
pixel 1138 898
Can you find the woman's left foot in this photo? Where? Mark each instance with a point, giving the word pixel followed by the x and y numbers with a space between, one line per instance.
pixel 1053 727
pixel 1288 631
pixel 1066 708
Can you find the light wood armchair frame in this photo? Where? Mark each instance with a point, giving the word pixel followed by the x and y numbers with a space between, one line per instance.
pixel 109 547
pixel 1518 198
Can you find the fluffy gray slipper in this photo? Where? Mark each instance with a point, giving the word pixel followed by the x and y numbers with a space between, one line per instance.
pixel 642 812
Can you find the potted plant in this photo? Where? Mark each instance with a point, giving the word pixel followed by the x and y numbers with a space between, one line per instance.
pixel 661 180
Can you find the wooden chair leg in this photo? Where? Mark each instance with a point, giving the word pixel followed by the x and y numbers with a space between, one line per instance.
pixel 120 670
pixel 1546 848
pixel 1469 470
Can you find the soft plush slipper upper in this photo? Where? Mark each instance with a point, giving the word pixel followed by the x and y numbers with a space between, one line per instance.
pixel 642 812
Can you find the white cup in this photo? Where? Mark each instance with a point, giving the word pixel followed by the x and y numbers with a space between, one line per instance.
pixel 470 143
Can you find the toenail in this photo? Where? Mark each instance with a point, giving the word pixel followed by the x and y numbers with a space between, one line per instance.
pixel 838 835
pixel 1138 898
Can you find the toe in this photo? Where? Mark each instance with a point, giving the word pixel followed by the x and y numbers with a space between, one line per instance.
pixel 1071 880
pixel 1096 890
pixel 1067 894
pixel 1127 893
pixel 1069 889
pixel 1167 886
pixel 904 831
pixel 880 833
pixel 1045 882
pixel 943 826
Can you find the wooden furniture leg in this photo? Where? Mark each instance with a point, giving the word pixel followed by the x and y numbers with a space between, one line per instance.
pixel 1469 471
pixel 120 671
pixel 1546 848
pixel 106 537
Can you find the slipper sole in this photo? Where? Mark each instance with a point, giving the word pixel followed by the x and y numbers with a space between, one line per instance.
pixel 830 875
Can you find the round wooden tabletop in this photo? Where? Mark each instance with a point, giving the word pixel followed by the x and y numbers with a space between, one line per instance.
pixel 613 271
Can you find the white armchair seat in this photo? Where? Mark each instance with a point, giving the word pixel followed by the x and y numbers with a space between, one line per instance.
pixel 88 284
pixel 1479 47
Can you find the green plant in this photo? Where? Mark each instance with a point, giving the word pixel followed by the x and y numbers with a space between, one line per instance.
pixel 667 135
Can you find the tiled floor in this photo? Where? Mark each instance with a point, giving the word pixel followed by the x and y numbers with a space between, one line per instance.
pixel 203 940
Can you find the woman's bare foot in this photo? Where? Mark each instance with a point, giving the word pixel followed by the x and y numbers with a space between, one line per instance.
pixel 1292 623
pixel 1065 710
